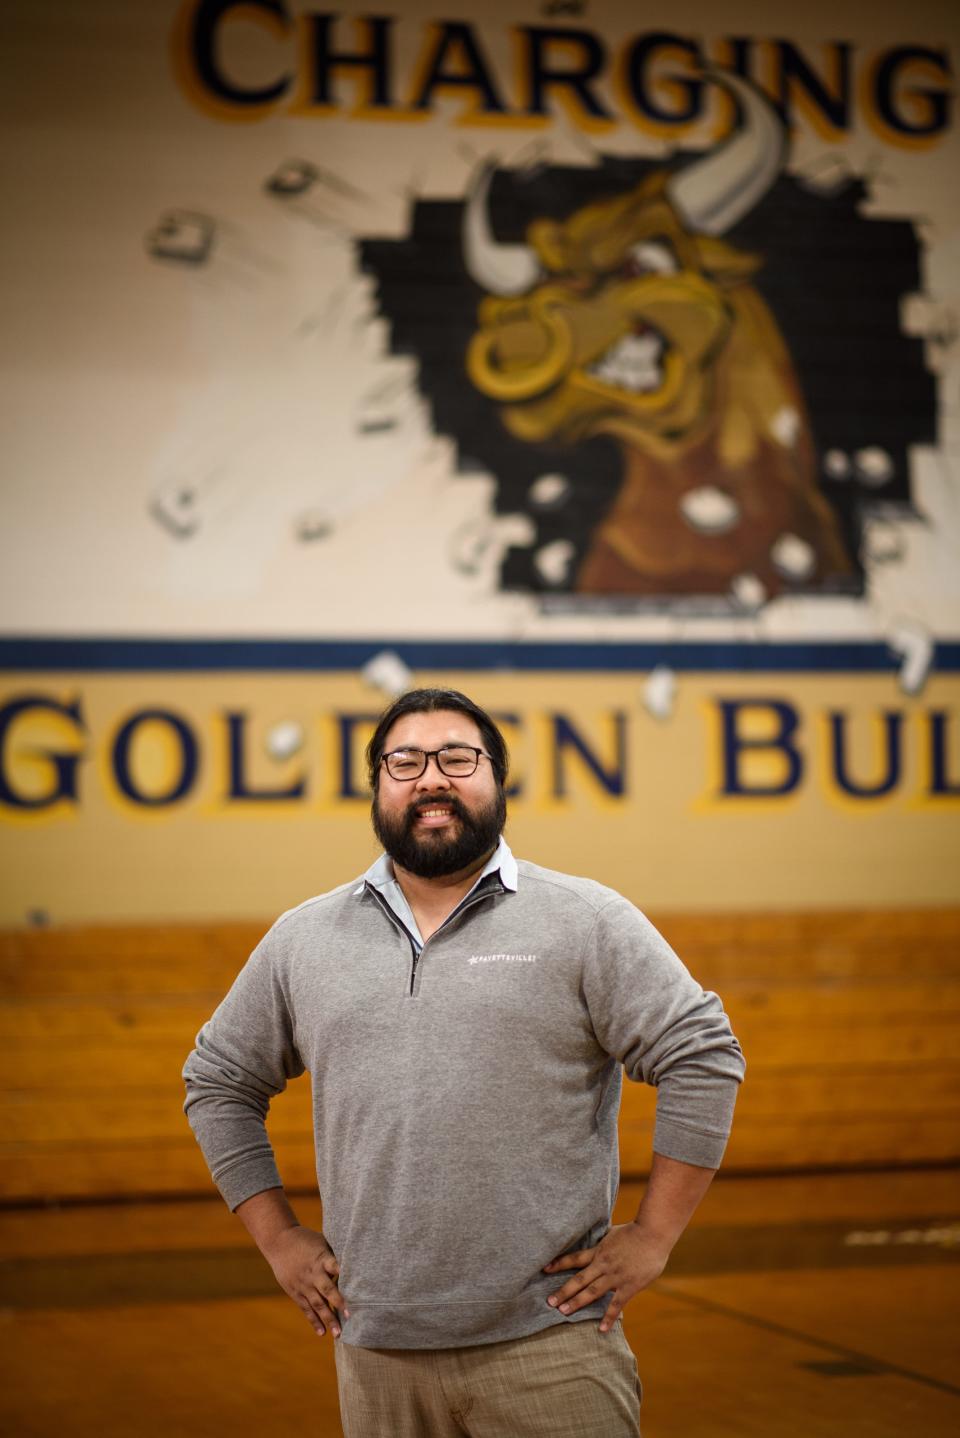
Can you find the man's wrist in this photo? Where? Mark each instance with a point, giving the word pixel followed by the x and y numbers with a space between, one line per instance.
pixel 270 1242
pixel 655 1234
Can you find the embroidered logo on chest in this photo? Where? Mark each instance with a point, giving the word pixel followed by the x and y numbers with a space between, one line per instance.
pixel 503 958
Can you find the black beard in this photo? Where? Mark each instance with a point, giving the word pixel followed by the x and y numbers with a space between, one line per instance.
pixel 433 855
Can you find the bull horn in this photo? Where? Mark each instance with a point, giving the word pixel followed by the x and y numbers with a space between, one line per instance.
pixel 498 269
pixel 713 194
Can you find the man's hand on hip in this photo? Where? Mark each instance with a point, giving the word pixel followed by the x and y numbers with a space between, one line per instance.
pixel 306 1269
pixel 631 1255
pixel 625 1261
pixel 302 1260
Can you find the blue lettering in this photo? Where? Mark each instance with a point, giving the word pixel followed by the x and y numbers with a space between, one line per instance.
pixel 189 757
pixel 456 42
pixel 736 744
pixel 239 788
pixel 63 766
pixel 565 736
pixel 940 783
pixel 375 60
pixel 347 724
pixel 543 76
pixel 933 105
pixel 890 775
pixel 637 61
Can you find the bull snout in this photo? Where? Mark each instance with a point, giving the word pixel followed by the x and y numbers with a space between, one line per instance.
pixel 522 349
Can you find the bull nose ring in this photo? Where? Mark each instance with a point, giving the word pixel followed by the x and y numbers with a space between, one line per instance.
pixel 527 380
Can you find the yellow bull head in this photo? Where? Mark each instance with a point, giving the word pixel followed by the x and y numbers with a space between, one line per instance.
pixel 633 318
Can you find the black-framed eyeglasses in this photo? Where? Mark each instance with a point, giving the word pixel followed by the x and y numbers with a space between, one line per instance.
pixel 456 761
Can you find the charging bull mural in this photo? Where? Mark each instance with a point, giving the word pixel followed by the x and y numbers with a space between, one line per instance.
pixel 624 349
pixel 634 318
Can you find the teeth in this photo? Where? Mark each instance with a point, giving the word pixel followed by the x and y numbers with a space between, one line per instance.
pixel 633 363
pixel 434 813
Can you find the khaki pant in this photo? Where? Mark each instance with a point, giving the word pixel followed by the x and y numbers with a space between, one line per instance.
pixel 567 1381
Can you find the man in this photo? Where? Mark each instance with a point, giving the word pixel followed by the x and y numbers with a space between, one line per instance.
pixel 465 1018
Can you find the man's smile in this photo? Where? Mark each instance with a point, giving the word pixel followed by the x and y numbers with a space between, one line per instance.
pixel 436 816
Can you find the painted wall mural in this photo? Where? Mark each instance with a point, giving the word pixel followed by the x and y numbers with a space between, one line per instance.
pixel 617 310
pixel 618 353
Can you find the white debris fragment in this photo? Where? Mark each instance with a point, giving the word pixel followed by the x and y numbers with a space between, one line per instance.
pixel 660 691
pixel 826 174
pixel 176 508
pixel 387 672
pixel 793 557
pixel 469 547
pixel 785 426
pixel 284 739
pixel 515 530
pixel 478 546
pixel 293 177
pixel 925 317
pixel 911 640
pixel 184 236
pixel 313 524
pixel 549 490
pixel 748 591
pixel 709 510
pixel 836 464
pixel 553 561
pixel 874 465
pixel 883 542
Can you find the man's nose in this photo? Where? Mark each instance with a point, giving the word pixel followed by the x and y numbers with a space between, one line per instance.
pixel 433 776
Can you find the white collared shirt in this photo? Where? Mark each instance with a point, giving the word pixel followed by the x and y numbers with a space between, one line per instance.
pixel 382 877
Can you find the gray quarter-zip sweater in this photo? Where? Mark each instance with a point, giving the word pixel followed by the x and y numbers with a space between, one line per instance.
pixel 465 1090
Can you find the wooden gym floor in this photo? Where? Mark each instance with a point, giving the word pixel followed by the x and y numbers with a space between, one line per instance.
pixel 822 1306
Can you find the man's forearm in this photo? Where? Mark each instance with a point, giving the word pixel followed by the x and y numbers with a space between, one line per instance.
pixel 227 1110
pixel 671 1197
pixel 266 1216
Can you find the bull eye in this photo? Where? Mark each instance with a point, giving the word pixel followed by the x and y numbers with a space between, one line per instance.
pixel 652 257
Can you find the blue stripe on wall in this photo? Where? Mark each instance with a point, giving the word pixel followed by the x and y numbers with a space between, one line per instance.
pixel 291 655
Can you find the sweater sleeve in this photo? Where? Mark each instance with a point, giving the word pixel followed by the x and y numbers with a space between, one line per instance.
pixel 244 1055
pixel 648 1012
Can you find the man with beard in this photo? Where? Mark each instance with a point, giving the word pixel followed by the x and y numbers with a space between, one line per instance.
pixel 465 1018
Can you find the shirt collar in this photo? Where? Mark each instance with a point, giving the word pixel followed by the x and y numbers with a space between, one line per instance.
pixel 380 873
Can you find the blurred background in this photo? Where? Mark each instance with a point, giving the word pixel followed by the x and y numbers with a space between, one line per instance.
pixel 603 365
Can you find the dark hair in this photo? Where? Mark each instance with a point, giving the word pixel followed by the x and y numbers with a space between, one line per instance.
pixel 426 701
